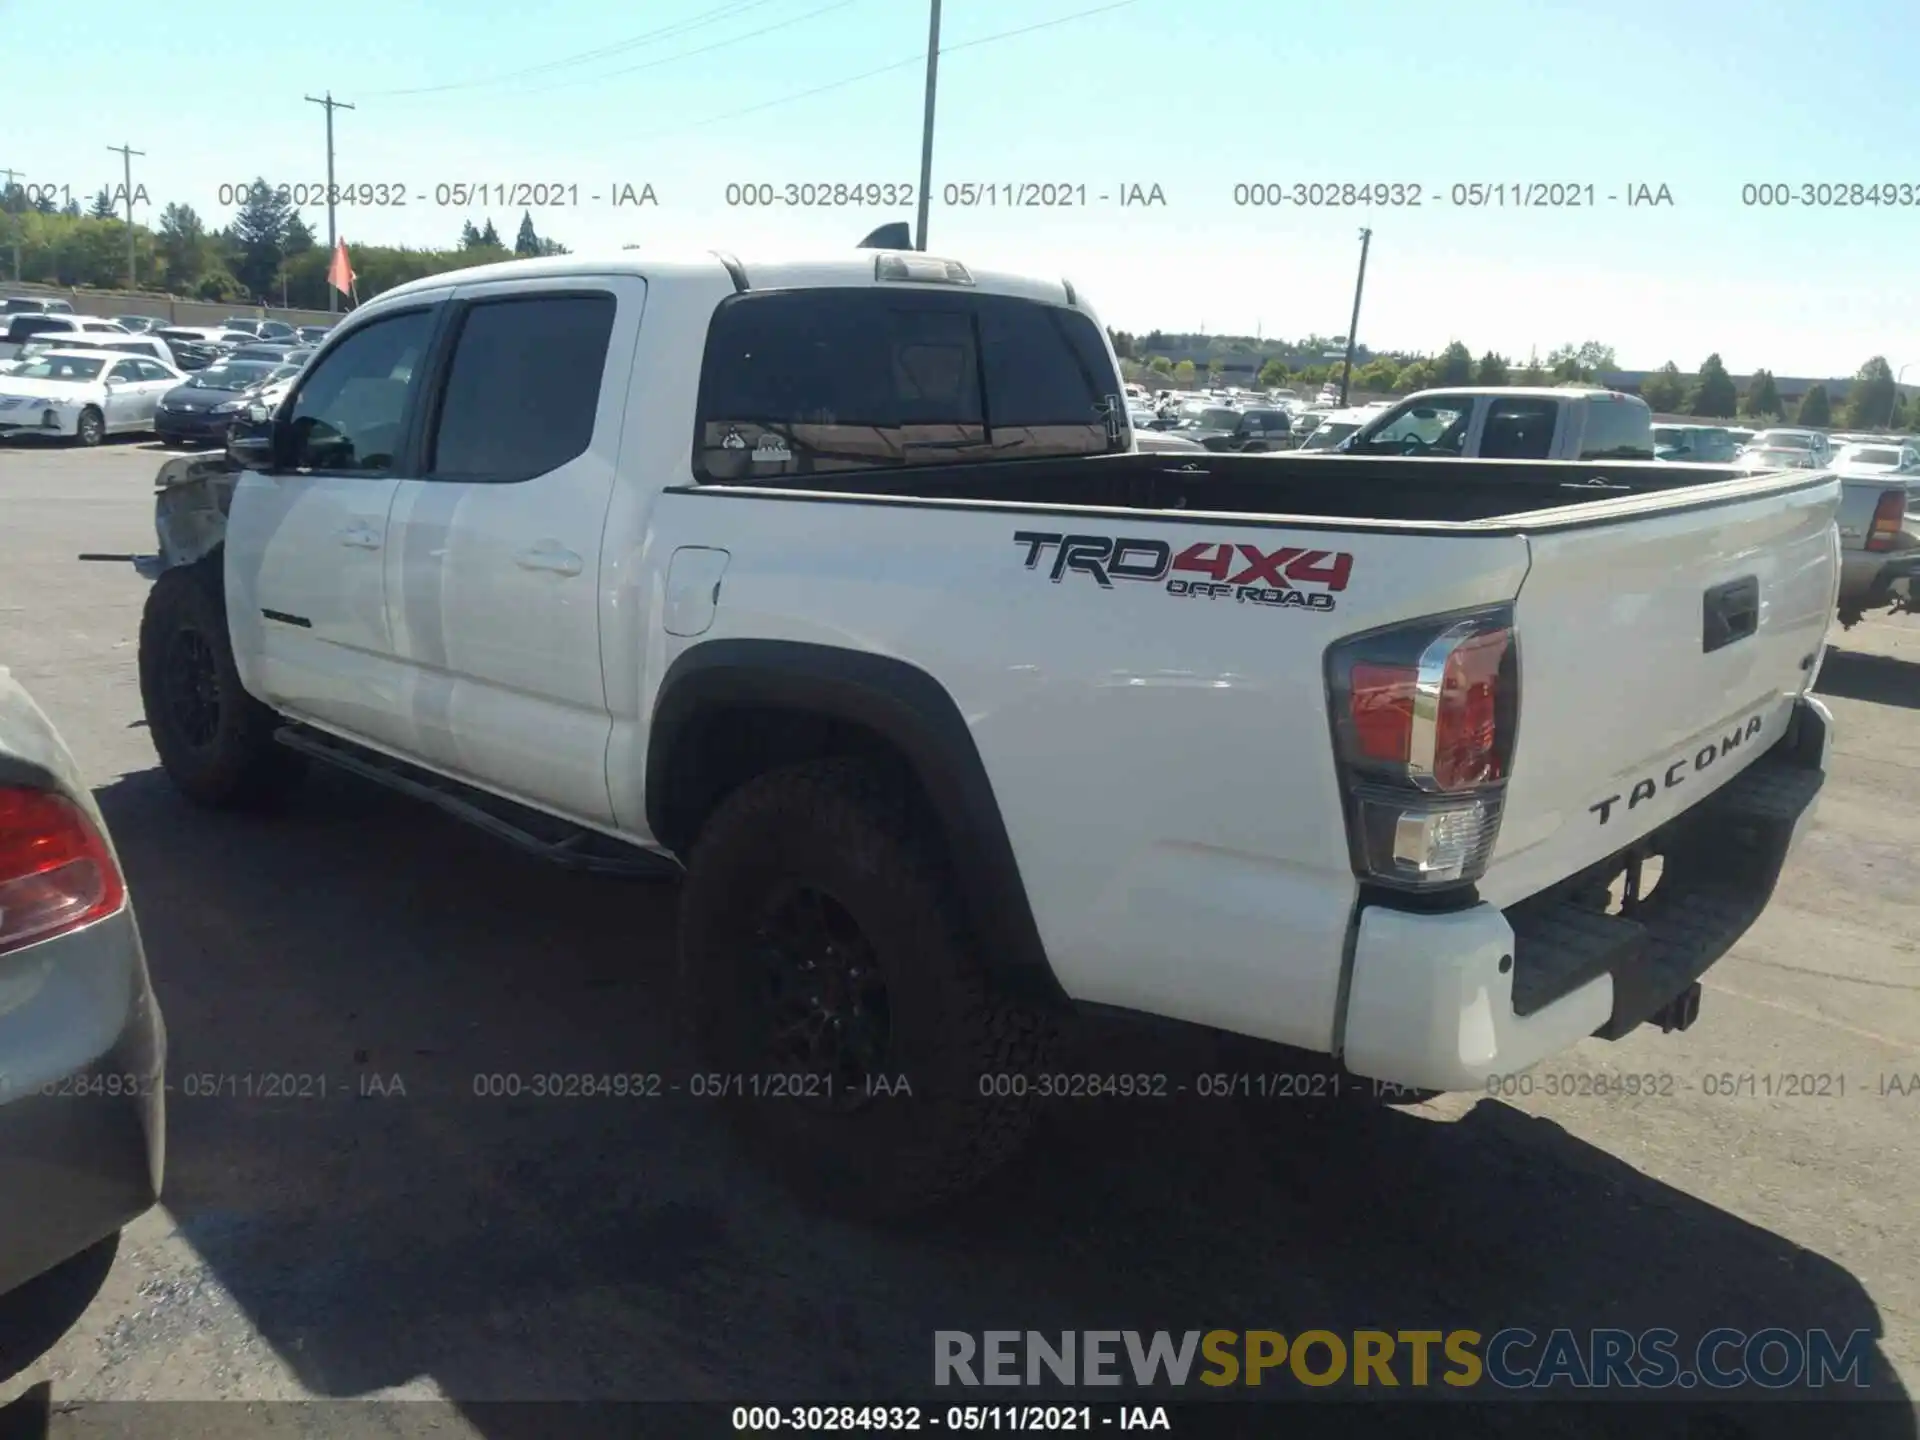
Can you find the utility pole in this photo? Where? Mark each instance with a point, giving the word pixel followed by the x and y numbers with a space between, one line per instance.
pixel 1353 325
pixel 126 154
pixel 330 104
pixel 19 222
pixel 926 126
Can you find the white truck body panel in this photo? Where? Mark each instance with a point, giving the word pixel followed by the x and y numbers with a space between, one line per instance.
pixel 1163 769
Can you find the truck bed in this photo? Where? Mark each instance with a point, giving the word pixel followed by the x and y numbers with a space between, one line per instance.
pixel 1480 495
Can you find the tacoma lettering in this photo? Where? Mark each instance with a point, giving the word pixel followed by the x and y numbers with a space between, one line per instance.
pixel 1705 756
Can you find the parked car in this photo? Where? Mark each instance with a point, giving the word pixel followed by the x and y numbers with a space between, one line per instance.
pixel 1510 423
pixel 139 324
pixel 1879 541
pixel 1694 444
pixel 1245 431
pixel 22 328
pixel 1164 442
pixel 1787 448
pixel 1742 437
pixel 260 350
pixel 1334 427
pixel 194 346
pixel 82 1043
pixel 259 329
pixel 1877 457
pixel 828 674
pixel 84 395
pixel 34 305
pixel 202 407
pixel 152 346
pixel 313 334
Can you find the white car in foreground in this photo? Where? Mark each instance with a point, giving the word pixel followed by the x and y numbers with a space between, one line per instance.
pixel 84 395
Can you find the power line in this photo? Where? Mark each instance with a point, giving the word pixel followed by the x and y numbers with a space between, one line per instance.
pixel 919 59
pixel 634 42
pixel 688 54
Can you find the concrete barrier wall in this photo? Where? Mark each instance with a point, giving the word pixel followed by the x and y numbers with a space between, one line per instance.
pixel 174 311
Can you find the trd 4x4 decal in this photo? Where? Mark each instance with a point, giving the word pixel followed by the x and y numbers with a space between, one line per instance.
pixel 1291 577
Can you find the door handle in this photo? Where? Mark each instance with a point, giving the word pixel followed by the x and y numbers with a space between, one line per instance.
pixel 550 557
pixel 360 537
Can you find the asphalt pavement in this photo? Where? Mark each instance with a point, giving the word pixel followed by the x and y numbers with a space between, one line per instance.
pixel 350 1214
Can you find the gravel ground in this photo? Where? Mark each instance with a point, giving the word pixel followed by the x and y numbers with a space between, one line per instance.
pixel 402 1237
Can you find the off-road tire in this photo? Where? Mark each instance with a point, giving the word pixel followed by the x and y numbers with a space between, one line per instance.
pixel 239 765
pixel 850 831
pixel 91 428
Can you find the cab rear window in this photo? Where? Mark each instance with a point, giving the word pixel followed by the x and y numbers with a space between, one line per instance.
pixel 1617 430
pixel 808 382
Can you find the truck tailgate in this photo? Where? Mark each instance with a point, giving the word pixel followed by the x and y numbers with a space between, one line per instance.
pixel 1659 656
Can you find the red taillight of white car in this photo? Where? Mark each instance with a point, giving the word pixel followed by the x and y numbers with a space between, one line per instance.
pixel 1888 516
pixel 1424 717
pixel 56 872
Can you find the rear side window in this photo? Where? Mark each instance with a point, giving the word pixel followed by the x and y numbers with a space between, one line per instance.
pixel 1617 430
pixel 803 382
pixel 1518 429
pixel 522 388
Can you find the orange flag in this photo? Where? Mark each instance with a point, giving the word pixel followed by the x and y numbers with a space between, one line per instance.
pixel 340 273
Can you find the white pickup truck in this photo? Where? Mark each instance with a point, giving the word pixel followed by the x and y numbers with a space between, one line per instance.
pixel 834 584
pixel 1511 422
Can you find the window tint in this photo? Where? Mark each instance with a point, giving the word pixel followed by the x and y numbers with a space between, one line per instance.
pixel 1519 430
pixel 1617 430
pixel 347 417
pixel 523 387
pixel 121 370
pixel 821 380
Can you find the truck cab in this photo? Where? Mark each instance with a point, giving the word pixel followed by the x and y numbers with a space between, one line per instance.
pixel 1511 423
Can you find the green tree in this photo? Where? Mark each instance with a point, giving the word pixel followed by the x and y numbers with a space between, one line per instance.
pixel 1714 393
pixel 103 207
pixel 1315 375
pixel 1664 390
pixel 1816 407
pixel 183 247
pixel 44 203
pixel 1492 370
pixel 1183 373
pixel 1274 373
pixel 1762 400
pixel 259 238
pixel 490 237
pixel 1870 398
pixel 1160 365
pixel 1455 366
pixel 13 200
pixel 1378 374
pixel 71 209
pixel 1901 413
pixel 1417 376
pixel 527 242
pixel 299 235
pixel 469 236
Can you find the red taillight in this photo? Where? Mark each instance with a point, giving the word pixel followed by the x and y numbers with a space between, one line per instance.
pixel 1424 724
pixel 1888 516
pixel 1466 741
pixel 1381 703
pixel 56 873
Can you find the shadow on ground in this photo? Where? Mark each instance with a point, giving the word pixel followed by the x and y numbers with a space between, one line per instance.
pixel 524 1249
pixel 1878 679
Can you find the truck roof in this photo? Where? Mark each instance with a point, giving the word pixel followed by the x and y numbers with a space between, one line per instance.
pixel 834 268
pixel 1562 392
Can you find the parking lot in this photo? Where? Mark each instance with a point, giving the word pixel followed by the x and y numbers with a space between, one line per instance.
pixel 396 1234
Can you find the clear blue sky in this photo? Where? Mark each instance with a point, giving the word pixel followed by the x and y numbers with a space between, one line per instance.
pixel 1701 96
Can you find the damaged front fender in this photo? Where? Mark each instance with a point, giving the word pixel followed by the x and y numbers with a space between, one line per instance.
pixel 192 494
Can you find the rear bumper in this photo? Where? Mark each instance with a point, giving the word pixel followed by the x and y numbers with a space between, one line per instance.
pixel 1449 1001
pixel 82 1095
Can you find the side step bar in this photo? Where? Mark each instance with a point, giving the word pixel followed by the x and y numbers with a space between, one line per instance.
pixel 547 837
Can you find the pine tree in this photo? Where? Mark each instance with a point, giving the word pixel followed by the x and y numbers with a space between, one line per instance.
pixel 103 206
pixel 260 232
pixel 469 236
pixel 491 237
pixel 527 242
